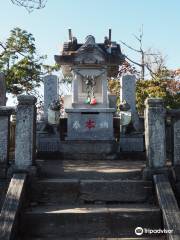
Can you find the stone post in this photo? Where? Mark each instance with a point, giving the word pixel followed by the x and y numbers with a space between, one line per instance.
pixel 25 132
pixel 2 90
pixel 105 89
pixel 75 88
pixel 176 143
pixel 5 113
pixel 50 92
pixel 155 139
pixel 128 93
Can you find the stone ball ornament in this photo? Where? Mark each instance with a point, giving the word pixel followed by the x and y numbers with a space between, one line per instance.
pixel 93 101
pixel 88 100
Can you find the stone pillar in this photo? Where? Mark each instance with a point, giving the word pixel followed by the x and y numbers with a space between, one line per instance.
pixel 75 88
pixel 50 92
pixel 128 93
pixel 2 90
pixel 155 140
pixel 5 113
pixel 25 132
pixel 176 143
pixel 105 90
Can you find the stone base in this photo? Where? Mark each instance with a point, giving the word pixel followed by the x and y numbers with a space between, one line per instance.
pixel 132 142
pixel 3 170
pixel 48 144
pixel 47 138
pixel 31 171
pixel 84 150
pixel 90 124
pixel 149 172
pixel 176 172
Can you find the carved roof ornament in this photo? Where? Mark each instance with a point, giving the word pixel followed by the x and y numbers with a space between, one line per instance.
pixel 91 53
pixel 89 45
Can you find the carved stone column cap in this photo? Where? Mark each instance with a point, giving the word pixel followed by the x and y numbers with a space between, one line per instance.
pixel 154 102
pixel 26 99
pixel 6 111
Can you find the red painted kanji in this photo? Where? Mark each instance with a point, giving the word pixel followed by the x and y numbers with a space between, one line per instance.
pixel 90 124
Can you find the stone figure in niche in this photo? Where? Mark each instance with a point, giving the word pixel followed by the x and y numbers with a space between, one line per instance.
pixel 90 84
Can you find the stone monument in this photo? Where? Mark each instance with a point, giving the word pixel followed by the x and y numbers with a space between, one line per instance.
pixel 50 92
pixel 128 94
pixel 90 64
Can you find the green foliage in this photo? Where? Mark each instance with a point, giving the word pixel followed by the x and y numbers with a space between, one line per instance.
pixel 20 62
pixel 168 89
pixel 163 85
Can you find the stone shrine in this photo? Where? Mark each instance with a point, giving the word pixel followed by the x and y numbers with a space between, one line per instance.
pixel 90 116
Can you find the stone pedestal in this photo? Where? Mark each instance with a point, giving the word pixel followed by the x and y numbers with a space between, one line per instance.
pixel 90 124
pixel 25 132
pixel 128 93
pixel 5 113
pixel 2 90
pixel 50 92
pixel 155 135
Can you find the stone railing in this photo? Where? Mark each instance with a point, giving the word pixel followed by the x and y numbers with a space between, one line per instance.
pixel 173 117
pixel 162 136
pixel 12 206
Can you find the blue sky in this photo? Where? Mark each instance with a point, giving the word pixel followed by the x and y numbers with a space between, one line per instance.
pixel 161 21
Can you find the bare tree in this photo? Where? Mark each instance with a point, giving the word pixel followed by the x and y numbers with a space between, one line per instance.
pixel 30 5
pixel 145 56
pixel 155 63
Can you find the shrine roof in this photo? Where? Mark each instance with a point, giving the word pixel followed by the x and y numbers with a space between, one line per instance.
pixel 109 51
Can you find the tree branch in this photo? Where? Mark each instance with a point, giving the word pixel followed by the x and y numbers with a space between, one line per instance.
pixel 136 50
pixel 140 65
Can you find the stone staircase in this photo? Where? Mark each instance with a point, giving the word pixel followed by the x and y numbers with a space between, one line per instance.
pixel 90 200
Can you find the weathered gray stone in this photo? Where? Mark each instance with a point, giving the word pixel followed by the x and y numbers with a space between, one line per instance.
pixel 112 101
pixel 105 190
pixel 89 221
pixel 169 206
pixel 128 93
pixel 155 132
pixel 50 92
pixel 25 132
pixel 5 113
pixel 2 90
pixel 90 124
pixel 12 207
pixel 176 142
pixel 132 143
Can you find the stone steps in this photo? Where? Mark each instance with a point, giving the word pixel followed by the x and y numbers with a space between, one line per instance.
pixel 159 237
pixel 120 169
pixel 89 221
pixel 59 191
pixel 89 200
